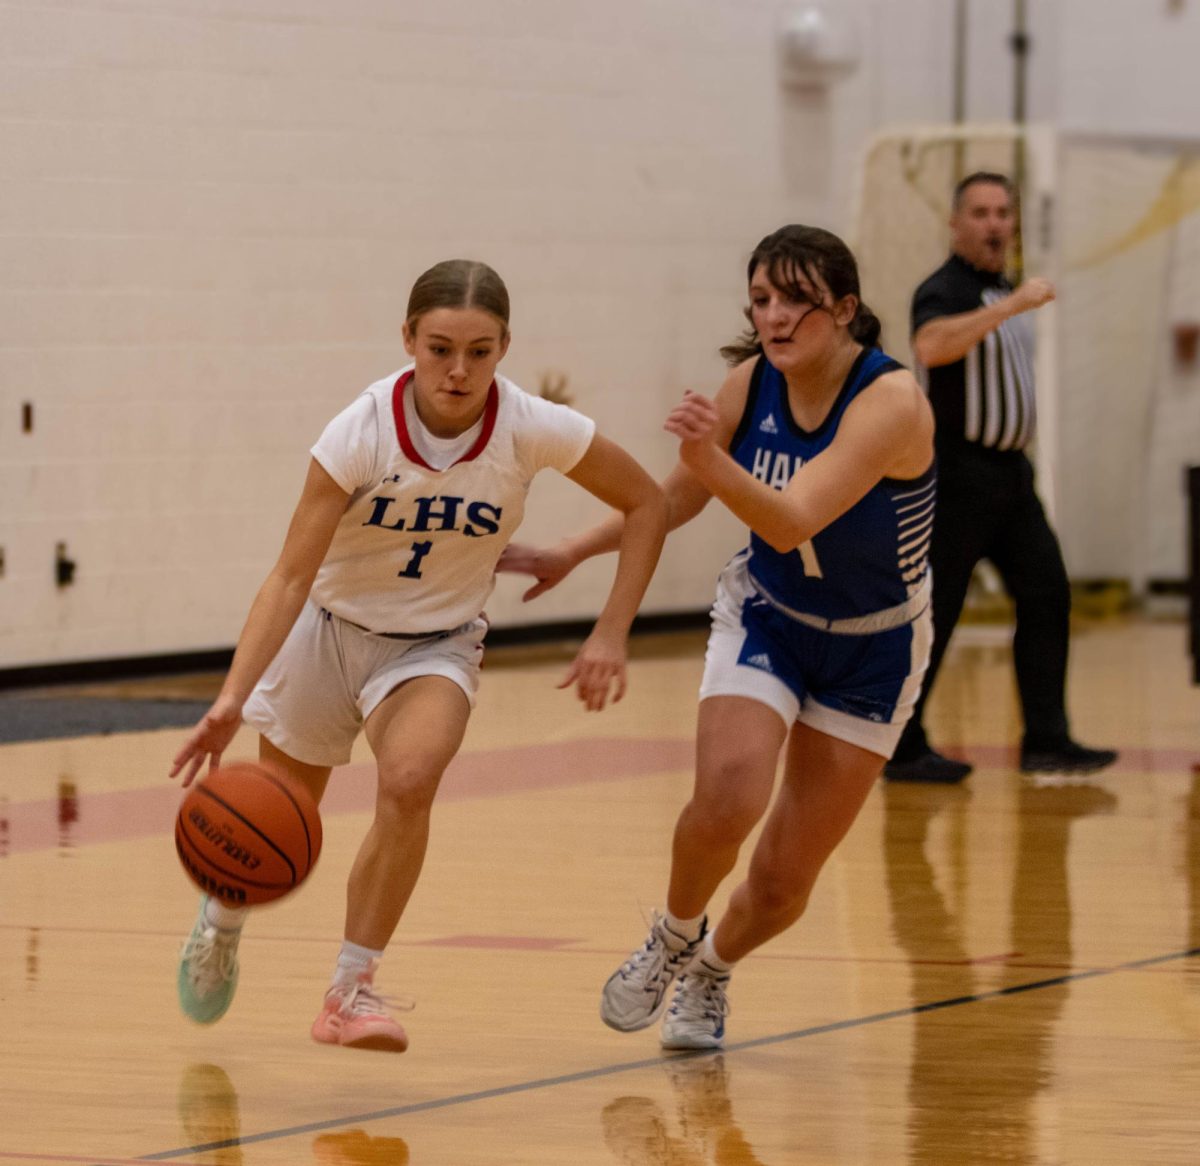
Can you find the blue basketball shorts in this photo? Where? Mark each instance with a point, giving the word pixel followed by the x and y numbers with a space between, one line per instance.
pixel 857 688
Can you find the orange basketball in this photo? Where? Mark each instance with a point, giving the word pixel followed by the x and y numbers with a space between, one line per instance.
pixel 247 834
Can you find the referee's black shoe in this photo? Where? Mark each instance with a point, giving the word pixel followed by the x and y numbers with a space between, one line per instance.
pixel 1069 757
pixel 928 766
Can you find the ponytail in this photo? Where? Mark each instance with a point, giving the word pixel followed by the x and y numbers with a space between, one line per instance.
pixel 865 327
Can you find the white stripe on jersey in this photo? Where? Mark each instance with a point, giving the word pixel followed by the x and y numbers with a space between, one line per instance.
pixel 991 389
pixel 1004 388
pixel 974 392
pixel 1023 360
pixel 922 540
pixel 925 492
pixel 914 532
pixel 1011 395
pixel 920 510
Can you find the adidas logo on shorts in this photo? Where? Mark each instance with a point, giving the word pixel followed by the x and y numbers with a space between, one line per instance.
pixel 760 660
pixel 767 424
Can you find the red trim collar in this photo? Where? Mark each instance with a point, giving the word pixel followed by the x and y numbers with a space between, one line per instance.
pixel 490 409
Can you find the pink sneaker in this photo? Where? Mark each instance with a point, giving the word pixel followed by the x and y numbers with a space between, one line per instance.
pixel 357 1017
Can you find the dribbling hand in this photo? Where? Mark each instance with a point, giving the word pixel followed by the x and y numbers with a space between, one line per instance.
pixel 209 739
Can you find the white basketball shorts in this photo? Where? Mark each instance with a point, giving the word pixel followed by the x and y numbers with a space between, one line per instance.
pixel 330 675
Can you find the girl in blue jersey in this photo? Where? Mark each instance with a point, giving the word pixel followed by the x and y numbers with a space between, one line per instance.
pixel 823 446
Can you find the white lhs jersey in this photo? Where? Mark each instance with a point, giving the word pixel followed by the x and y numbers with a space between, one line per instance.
pixel 416 550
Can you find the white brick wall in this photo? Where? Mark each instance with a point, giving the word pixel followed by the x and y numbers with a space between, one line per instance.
pixel 212 212
pixel 212 216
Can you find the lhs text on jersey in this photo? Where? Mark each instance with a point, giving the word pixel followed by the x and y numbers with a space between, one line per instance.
pixel 439 512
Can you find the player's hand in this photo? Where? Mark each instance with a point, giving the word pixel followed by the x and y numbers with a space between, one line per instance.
pixel 695 418
pixel 209 739
pixel 1033 293
pixel 598 670
pixel 694 421
pixel 548 565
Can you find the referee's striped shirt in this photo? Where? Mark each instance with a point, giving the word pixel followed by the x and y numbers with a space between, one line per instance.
pixel 987 398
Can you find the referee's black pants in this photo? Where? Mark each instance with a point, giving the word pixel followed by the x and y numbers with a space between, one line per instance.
pixel 987 508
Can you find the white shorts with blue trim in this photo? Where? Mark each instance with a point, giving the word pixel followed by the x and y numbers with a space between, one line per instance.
pixel 857 688
pixel 330 675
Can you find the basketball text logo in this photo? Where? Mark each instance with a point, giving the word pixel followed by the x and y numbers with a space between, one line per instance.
pixel 214 834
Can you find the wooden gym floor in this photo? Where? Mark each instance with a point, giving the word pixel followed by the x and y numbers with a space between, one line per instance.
pixel 1004 971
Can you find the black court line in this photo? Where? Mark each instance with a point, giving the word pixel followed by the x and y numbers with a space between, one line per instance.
pixel 652 1062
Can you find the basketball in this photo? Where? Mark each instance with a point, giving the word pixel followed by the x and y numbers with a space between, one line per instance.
pixel 247 834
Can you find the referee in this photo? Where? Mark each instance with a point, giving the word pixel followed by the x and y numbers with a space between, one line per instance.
pixel 973 340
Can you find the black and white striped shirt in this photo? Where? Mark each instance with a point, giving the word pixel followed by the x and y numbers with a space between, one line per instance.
pixel 987 398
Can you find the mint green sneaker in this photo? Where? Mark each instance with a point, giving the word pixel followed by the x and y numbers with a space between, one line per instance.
pixel 208 970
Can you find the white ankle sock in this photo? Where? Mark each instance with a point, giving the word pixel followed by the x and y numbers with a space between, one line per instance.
pixel 224 918
pixel 689 929
pixel 352 961
pixel 713 963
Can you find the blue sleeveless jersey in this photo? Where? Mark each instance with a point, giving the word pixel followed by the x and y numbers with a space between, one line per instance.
pixel 872 558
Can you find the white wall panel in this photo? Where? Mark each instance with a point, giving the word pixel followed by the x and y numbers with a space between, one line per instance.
pixel 1130 67
pixel 211 216
pixel 212 212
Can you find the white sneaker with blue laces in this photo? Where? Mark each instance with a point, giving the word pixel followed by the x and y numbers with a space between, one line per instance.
pixel 696 1018
pixel 636 993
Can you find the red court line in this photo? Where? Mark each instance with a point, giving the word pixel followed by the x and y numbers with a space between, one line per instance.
pixel 124 815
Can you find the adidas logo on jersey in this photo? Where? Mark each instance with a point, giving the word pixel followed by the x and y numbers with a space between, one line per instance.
pixel 760 660
pixel 767 424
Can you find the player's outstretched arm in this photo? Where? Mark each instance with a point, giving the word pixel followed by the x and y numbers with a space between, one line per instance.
pixel 549 566
pixel 271 617
pixel 686 496
pixel 945 339
pixel 610 474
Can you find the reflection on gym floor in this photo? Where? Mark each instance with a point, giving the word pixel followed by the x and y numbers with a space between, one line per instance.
pixel 1003 971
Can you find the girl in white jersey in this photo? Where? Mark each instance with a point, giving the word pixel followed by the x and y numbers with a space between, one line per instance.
pixel 372 618
pixel 823 446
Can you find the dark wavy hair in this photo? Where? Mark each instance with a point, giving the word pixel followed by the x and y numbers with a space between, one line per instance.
pixel 817 254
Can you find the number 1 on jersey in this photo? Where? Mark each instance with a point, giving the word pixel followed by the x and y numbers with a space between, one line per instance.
pixel 808 559
pixel 412 569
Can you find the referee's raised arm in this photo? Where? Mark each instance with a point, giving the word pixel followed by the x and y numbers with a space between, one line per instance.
pixel 946 339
